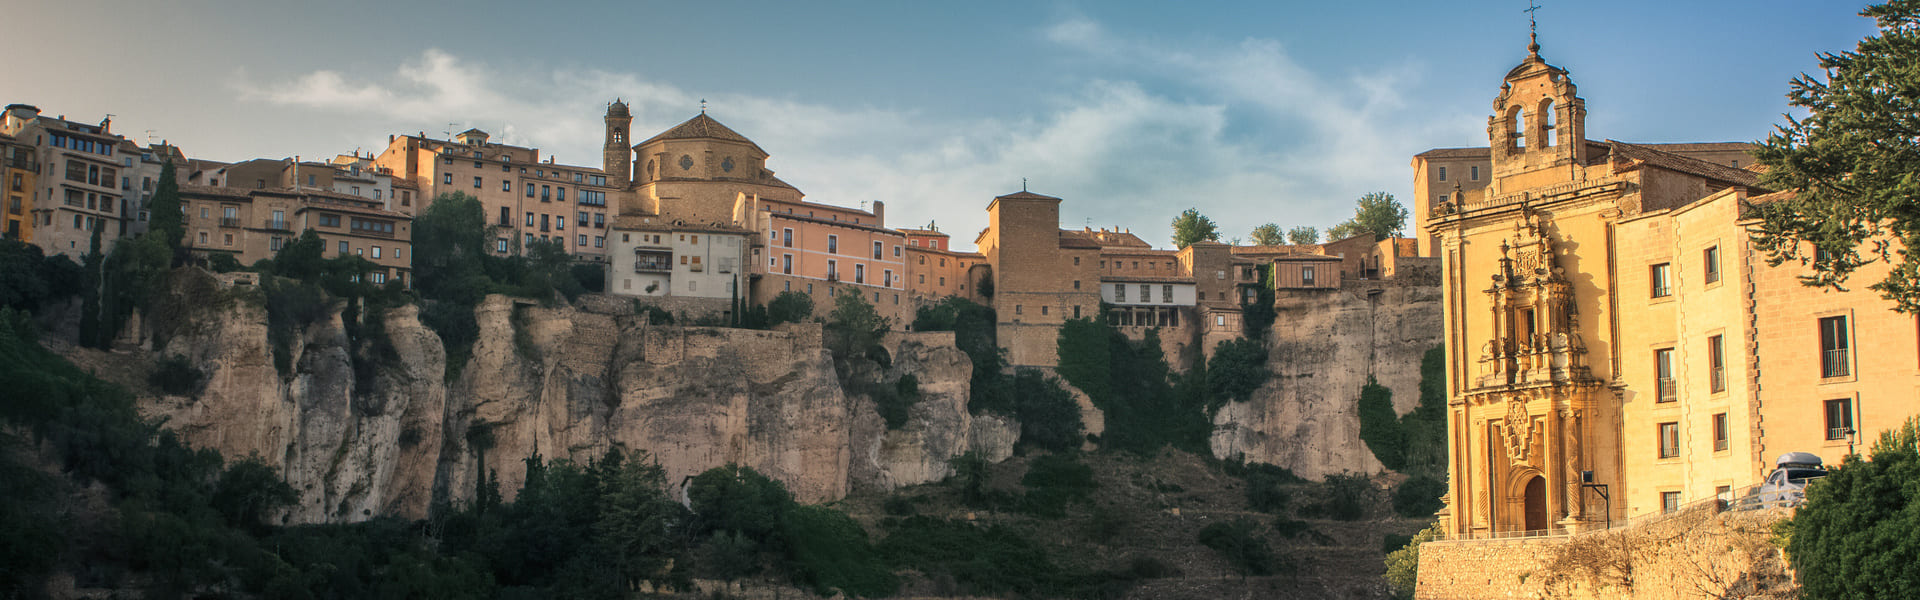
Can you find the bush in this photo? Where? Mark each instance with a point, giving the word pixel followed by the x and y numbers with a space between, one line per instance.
pixel 175 375
pixel 1049 418
pixel 991 560
pixel 1238 367
pixel 1419 496
pixel 1380 426
pixel 1403 565
pixel 789 307
pixel 1053 481
pixel 1267 488
pixel 898 505
pixel 829 551
pixel 737 498
pixel 1239 543
pixel 1858 535
pixel 1343 497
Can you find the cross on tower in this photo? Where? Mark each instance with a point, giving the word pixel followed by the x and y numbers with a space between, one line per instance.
pixel 1533 26
pixel 703 106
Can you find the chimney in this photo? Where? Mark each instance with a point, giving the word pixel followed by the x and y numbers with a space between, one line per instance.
pixel 879 214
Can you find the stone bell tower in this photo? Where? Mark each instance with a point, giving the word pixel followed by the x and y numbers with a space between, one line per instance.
pixel 1538 126
pixel 617 156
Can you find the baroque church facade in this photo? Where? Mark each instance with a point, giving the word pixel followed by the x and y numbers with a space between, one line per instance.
pixel 1615 345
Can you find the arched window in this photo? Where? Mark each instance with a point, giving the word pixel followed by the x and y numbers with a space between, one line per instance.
pixel 1547 136
pixel 1516 127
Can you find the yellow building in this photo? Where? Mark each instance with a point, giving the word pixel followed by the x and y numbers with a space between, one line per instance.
pixel 1615 347
pixel 20 172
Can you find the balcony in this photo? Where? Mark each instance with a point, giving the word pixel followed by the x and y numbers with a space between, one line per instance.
pixel 1669 390
pixel 833 276
pixel 1833 363
pixel 229 222
pixel 652 262
pixel 273 225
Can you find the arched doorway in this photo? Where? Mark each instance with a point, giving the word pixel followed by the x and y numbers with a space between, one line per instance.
pixel 1536 504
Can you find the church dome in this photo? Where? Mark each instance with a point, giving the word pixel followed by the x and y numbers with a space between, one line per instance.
pixel 618 109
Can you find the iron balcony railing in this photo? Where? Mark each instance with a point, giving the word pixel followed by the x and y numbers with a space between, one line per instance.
pixel 1833 363
pixel 1719 380
pixel 276 225
pixel 1669 389
pixel 229 222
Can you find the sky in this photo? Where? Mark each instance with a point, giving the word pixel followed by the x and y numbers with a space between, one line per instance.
pixel 1251 112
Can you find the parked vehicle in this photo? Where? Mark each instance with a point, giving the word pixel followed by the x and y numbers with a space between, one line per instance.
pixel 1787 484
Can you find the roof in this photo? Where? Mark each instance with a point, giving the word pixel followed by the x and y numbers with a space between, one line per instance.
pixel 1148 278
pixel 1684 164
pixel 1068 240
pixel 1486 153
pixel 207 190
pixel 847 224
pixel 702 126
pixel 655 223
pixel 926 232
pixel 1025 195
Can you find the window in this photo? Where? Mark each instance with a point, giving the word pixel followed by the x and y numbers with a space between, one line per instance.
pixel 1306 275
pixel 1834 361
pixel 1166 293
pixel 529 190
pixel 859 273
pixel 1119 292
pixel 560 222
pixel 1443 174
pixel 447 179
pixel 786 238
pixel 1669 502
pixel 229 240
pixel 476 182
pixel 379 277
pixel 343 247
pixel 1146 293
pixel 1019 309
pixel 1839 419
pixel 529 219
pixel 833 244
pixel 1716 365
pixel 500 245
pixel 1669 440
pixel 1076 311
pixel 1663 372
pixel 878 250
pixel 560 194
pixel 896 251
pixel 1076 284
pixel 599 241
pixel 1711 258
pixel 1657 277
pixel 376 252
pixel 546 193
pixel 1720 432
pixel 1043 309
pixel 327 220
pixel 506 186
pixel 833 270
pixel 583 239
pixel 1475 174
pixel 786 264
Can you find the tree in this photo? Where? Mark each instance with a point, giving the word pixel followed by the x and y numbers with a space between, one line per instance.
pixel 165 215
pixel 854 327
pixel 1851 163
pixel 1403 565
pixel 1268 235
pixel 789 307
pixel 1191 226
pixel 637 519
pixel 1377 213
pixel 1858 535
pixel 1303 235
pixel 1380 426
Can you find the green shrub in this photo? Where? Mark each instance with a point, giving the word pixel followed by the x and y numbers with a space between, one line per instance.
pixel 738 498
pixel 1238 367
pixel 829 551
pixel 789 307
pixel 1342 497
pixel 898 505
pixel 1267 487
pixel 1053 481
pixel 983 560
pixel 1403 565
pixel 1049 418
pixel 1240 544
pixel 1419 496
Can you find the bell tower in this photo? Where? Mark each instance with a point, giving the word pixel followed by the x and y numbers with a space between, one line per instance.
pixel 1538 124
pixel 616 156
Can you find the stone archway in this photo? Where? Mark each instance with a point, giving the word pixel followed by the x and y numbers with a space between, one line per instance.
pixel 1534 504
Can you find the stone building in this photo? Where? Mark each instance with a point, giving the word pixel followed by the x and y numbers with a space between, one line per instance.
pixel 935 270
pixel 80 186
pixel 20 166
pixel 1610 329
pixel 526 200
pixel 254 224
pixel 702 180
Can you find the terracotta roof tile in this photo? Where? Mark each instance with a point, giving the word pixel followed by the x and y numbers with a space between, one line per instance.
pixel 1684 164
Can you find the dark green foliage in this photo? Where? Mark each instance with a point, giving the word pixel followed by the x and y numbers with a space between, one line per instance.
pixel 29 279
pixel 591 277
pixel 970 475
pixel 974 332
pixel 1380 426
pixel 1342 497
pixel 1267 235
pixel 248 491
pixel 168 219
pixel 983 560
pixel 1858 535
pixel 1419 496
pixel 1238 367
pixel 174 374
pixel 1267 488
pixel 736 498
pixel 789 307
pixel 827 551
pixel 1240 543
pixel 898 505
pixel 1191 226
pixel 1376 213
pixel 1303 235
pixel 291 306
pixel 1144 410
pixel 1852 163
pixel 854 328
pixel 1257 317
pixel 221 262
pixel 897 404
pixel 1052 482
pixel 1049 418
pixel 727 555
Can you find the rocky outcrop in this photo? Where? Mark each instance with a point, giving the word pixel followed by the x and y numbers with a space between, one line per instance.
pixel 1323 346
pixel 556 382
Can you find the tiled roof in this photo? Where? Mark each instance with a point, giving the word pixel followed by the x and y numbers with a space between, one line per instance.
pixel 1683 164
pixel 1025 195
pixel 1148 278
pixel 1067 240
pixel 1486 153
pixel 654 223
pixel 702 127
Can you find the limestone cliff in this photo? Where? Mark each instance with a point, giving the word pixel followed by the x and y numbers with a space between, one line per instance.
pixel 555 381
pixel 1323 346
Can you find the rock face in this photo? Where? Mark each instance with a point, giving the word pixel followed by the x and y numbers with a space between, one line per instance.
pixel 559 383
pixel 1324 345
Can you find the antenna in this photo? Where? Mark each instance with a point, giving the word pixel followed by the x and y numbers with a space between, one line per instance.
pixel 1023 184
pixel 450 125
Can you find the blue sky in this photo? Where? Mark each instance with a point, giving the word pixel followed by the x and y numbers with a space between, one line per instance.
pixel 1253 112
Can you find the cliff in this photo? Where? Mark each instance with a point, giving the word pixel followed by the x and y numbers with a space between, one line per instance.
pixel 1322 347
pixel 556 381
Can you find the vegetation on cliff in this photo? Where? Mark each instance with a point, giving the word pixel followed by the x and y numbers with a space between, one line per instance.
pixel 1146 404
pixel 1858 535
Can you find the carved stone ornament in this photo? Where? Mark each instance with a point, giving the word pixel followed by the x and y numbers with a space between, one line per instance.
pixel 1519 430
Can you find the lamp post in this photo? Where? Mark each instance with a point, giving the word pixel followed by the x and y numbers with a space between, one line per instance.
pixel 1586 481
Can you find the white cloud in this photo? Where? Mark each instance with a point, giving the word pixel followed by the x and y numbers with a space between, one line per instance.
pixel 1242 132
